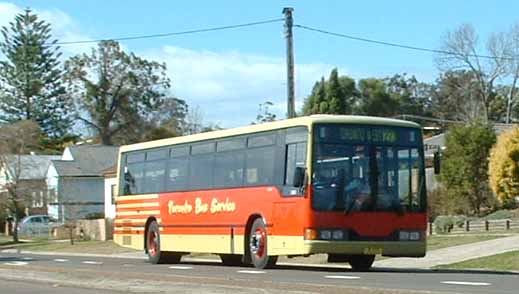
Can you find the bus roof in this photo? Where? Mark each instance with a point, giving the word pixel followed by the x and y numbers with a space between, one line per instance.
pixel 281 124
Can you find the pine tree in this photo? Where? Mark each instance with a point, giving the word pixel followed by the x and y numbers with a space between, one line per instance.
pixel 31 77
pixel 320 104
pixel 334 95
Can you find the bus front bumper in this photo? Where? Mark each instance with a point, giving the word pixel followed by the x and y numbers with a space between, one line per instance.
pixel 385 248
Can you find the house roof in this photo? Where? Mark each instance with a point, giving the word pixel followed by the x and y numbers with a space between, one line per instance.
pixel 32 167
pixel 432 144
pixel 89 160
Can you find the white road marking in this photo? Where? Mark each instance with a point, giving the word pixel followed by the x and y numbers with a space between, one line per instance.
pixel 92 262
pixel 179 267
pixel 16 263
pixel 251 272
pixel 61 260
pixel 343 277
pixel 466 283
pixel 27 258
pixel 128 265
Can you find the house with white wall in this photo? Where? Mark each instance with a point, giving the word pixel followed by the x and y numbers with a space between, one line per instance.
pixel 78 181
pixel 110 176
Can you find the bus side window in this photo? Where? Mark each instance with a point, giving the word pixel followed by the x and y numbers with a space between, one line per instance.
pixel 295 157
pixel 177 177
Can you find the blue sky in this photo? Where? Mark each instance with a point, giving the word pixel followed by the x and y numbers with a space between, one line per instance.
pixel 227 74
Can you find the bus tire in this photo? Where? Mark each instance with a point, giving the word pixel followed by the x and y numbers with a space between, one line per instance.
pixel 361 263
pixel 155 254
pixel 231 259
pixel 258 246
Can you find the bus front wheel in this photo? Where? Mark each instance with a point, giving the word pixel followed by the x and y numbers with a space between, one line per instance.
pixel 258 246
pixel 361 263
pixel 155 254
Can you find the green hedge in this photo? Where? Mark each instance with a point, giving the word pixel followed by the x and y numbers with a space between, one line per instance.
pixel 445 223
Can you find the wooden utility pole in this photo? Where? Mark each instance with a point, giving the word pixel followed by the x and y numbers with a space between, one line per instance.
pixel 291 112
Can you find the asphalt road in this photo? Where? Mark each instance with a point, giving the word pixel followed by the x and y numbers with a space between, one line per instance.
pixel 41 288
pixel 136 275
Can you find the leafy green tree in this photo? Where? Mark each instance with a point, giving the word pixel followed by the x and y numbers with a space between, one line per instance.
pixel 31 77
pixel 412 96
pixel 464 171
pixel 117 91
pixel 374 99
pixel 333 96
pixel 504 167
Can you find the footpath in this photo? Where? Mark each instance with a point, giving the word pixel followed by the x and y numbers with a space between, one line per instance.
pixel 454 254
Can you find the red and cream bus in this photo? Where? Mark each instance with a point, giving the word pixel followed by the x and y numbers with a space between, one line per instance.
pixel 349 186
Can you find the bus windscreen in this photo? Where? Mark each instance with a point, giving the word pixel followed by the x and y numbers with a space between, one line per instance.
pixel 361 168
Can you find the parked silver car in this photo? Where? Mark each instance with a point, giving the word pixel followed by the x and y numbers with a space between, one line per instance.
pixel 37 226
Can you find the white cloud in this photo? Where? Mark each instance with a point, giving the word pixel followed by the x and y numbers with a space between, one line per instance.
pixel 229 86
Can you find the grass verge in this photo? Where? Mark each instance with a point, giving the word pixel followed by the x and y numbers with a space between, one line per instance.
pixel 506 262
pixel 5 240
pixel 443 241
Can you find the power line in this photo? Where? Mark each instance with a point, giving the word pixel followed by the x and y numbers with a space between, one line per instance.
pixel 195 31
pixel 391 44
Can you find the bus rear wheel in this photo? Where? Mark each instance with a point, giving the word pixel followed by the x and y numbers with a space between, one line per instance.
pixel 155 254
pixel 258 246
pixel 361 263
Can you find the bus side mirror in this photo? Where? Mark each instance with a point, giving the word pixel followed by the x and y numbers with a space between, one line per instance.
pixel 436 163
pixel 299 177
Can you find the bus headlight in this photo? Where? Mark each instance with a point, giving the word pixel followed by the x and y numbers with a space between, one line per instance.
pixel 414 236
pixel 409 235
pixel 338 235
pixel 325 234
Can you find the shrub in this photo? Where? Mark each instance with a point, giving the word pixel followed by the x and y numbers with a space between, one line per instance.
pixel 504 168
pixel 500 214
pixel 445 223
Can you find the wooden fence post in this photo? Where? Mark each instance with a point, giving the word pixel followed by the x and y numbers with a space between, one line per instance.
pixel 467 225
pixel 508 224
pixel 486 225
pixel 430 228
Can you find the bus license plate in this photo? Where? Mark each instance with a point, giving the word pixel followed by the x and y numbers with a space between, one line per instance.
pixel 372 251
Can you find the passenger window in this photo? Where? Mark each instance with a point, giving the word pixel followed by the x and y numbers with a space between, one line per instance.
pixel 262 140
pixel 228 169
pixel 296 157
pixel 201 172
pixel 177 177
pixel 260 166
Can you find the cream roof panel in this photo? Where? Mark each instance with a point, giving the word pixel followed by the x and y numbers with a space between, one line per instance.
pixel 300 121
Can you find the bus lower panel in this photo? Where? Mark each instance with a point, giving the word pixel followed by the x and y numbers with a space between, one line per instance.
pixel 389 248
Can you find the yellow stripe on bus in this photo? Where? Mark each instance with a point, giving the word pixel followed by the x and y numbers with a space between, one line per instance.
pixel 138 212
pixel 137 197
pixel 137 205
pixel 134 221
